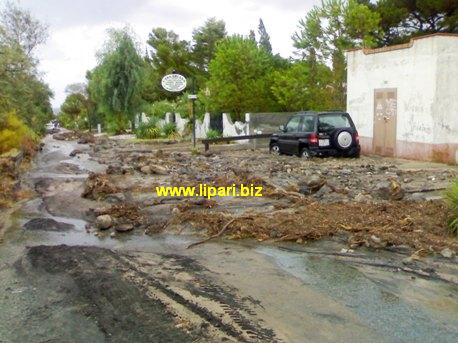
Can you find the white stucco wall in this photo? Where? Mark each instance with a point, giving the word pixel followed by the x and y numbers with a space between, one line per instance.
pixel 425 74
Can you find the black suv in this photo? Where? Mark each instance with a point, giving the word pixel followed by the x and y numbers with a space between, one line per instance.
pixel 310 134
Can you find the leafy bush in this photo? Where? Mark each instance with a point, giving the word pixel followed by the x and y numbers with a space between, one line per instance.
pixel 211 134
pixel 159 109
pixel 14 134
pixel 169 129
pixel 117 124
pixel 451 196
pixel 148 130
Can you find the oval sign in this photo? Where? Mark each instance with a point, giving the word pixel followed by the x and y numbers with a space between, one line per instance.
pixel 174 82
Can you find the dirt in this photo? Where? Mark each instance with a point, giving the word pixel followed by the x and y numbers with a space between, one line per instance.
pixel 374 202
pixel 63 280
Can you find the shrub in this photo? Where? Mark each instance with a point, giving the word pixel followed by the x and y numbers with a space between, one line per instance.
pixel 159 108
pixel 14 134
pixel 169 129
pixel 213 134
pixel 451 197
pixel 148 130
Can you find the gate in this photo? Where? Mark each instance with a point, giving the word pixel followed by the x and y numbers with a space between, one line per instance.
pixel 385 112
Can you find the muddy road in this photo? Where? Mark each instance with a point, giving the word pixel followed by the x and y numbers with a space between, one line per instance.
pixel 63 280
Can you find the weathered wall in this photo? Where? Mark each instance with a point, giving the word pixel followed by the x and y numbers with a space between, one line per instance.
pixel 425 74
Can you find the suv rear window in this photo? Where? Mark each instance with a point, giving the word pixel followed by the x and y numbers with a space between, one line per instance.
pixel 328 122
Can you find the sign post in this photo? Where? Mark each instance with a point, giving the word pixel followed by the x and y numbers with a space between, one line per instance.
pixel 176 83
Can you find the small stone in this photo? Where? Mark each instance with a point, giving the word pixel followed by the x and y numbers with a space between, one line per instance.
pixel 104 222
pixel 159 170
pixel 274 234
pixel 447 253
pixel 363 198
pixel 300 241
pixel 124 227
pixel 113 234
pixel 75 152
pixel 376 239
pixel 145 169
pixel 175 210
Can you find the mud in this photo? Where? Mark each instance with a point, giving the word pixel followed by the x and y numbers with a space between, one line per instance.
pixel 63 280
pixel 376 202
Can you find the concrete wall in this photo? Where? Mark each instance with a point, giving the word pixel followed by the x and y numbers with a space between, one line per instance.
pixel 425 74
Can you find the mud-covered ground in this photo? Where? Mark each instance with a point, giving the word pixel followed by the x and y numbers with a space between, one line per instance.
pixel 366 261
pixel 371 201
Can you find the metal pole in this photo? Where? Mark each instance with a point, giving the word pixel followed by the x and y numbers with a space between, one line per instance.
pixel 193 112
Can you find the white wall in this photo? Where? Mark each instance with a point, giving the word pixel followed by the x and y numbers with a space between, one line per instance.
pixel 412 71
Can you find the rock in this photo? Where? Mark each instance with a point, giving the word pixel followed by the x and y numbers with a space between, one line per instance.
pixel 75 152
pixel 104 222
pixel 376 239
pixel 447 253
pixel 390 190
pixel 145 169
pixel 175 210
pixel 300 241
pixel 363 198
pixel 113 234
pixel 124 227
pixel 312 184
pixel 113 169
pixel 159 170
pixel 274 234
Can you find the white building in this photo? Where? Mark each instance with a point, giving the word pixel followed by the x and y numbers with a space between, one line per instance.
pixel 404 98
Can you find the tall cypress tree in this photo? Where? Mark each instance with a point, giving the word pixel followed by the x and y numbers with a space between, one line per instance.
pixel 264 38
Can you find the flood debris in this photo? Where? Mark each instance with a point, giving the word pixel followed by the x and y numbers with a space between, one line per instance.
pixel 377 202
pixel 98 186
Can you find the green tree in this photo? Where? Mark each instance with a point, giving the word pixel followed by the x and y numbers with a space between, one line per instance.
pixel 239 78
pixel 264 38
pixel 205 39
pixel 168 52
pixel 403 19
pixel 331 28
pixel 252 36
pixel 19 28
pixel 295 89
pixel 21 89
pixel 74 112
pixel 116 82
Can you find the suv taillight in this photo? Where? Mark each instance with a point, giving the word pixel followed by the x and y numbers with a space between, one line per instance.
pixel 356 137
pixel 313 138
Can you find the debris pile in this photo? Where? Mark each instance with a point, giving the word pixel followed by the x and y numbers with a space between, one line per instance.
pixel 98 186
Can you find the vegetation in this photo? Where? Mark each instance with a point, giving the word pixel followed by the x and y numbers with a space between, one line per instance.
pixel 24 98
pixel 452 198
pixel 15 134
pixel 148 130
pixel 169 129
pixel 239 74
pixel 116 83
pixel 211 134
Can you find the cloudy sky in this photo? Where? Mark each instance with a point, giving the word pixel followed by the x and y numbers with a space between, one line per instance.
pixel 78 27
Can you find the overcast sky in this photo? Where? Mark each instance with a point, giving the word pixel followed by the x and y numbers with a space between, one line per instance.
pixel 78 27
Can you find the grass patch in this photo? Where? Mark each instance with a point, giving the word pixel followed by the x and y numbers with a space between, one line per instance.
pixel 451 195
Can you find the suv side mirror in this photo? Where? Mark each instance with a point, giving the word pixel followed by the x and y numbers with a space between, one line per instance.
pixel 282 128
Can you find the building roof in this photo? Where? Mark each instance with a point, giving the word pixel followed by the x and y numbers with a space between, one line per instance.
pixel 407 45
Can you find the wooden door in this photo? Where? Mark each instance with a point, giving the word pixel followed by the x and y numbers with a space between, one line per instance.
pixel 385 112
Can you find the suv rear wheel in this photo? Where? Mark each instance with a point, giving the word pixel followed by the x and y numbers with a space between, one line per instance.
pixel 275 149
pixel 305 153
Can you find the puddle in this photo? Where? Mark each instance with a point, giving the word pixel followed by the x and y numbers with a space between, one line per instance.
pixel 378 297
